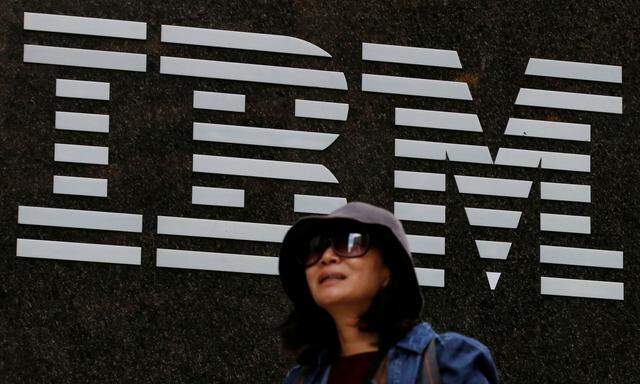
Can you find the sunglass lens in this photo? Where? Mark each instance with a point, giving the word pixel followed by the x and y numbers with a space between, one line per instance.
pixel 317 245
pixel 351 243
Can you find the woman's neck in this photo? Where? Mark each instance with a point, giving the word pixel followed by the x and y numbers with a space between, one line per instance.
pixel 353 340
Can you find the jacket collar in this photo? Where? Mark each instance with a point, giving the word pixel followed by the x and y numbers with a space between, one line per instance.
pixel 416 340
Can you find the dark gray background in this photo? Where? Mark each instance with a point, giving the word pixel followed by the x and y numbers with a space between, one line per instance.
pixel 84 322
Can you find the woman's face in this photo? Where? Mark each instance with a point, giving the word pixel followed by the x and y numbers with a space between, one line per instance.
pixel 357 280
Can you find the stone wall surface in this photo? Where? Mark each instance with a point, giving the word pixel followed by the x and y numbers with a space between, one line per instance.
pixel 69 321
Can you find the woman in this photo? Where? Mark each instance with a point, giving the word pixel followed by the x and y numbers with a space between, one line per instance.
pixel 357 304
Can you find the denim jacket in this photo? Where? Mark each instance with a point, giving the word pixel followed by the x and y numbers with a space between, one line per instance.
pixel 461 360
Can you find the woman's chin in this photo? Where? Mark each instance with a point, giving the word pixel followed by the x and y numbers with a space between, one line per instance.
pixel 329 296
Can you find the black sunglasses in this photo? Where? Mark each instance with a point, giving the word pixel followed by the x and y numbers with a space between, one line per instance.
pixel 345 241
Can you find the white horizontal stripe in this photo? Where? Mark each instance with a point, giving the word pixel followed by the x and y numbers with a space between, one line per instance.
pixel 88 58
pixel 426 244
pixel 85 154
pixel 252 72
pixel 215 261
pixel 63 250
pixel 493 249
pixel 419 180
pixel 565 223
pixel 263 136
pixel 321 110
pixel 224 197
pixel 262 168
pixel 317 204
pixel 237 230
pixel 496 218
pixel 419 212
pixel 219 101
pixel 76 218
pixel 438 119
pixel 80 89
pixel 543 159
pixel 569 100
pixel 574 70
pixel 581 288
pixel 81 186
pixel 581 256
pixel 493 186
pixel 240 40
pixel 428 277
pixel 87 122
pixel 548 129
pixel 565 192
pixel 441 151
pixel 85 25
pixel 415 87
pixel 410 55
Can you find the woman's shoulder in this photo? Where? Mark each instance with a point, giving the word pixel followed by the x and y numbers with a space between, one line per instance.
pixel 447 344
pixel 463 359
pixel 459 343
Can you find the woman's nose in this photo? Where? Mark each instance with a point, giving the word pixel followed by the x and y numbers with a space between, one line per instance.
pixel 329 256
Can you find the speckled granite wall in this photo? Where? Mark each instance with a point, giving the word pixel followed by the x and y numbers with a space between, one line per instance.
pixel 85 322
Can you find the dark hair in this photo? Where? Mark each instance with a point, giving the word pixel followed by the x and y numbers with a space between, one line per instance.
pixel 309 329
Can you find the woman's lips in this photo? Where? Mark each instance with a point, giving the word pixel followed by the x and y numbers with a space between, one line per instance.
pixel 332 279
pixel 331 282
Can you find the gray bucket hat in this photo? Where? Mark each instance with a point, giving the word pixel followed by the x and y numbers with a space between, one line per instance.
pixel 397 253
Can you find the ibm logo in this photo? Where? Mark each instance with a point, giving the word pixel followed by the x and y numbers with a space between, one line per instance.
pixel 439 152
